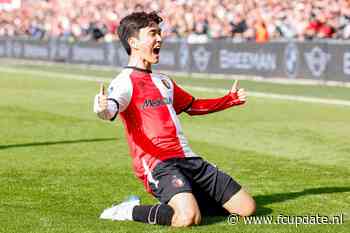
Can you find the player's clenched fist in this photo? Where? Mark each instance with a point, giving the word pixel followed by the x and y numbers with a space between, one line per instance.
pixel 105 109
pixel 101 105
pixel 102 98
pixel 101 102
pixel 241 94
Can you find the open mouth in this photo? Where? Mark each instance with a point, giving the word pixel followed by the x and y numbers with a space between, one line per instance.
pixel 156 50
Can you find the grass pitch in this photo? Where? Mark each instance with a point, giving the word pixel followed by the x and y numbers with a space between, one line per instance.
pixel 60 166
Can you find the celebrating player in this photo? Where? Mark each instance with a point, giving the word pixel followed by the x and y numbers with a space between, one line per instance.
pixel 148 103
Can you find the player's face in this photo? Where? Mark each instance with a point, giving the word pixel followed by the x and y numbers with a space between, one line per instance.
pixel 149 43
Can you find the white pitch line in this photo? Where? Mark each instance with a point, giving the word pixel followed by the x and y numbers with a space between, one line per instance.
pixel 50 74
pixel 55 75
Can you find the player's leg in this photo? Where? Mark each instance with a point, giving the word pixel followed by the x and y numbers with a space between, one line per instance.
pixel 131 209
pixel 219 186
pixel 178 206
pixel 186 210
pixel 208 206
pixel 241 203
pixel 161 214
pixel 181 211
pixel 174 191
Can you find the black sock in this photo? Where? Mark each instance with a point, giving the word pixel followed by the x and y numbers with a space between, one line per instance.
pixel 157 214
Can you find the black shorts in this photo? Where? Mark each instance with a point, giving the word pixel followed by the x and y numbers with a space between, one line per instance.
pixel 211 187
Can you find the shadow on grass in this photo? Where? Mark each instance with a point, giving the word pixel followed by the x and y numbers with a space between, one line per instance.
pixel 3 147
pixel 263 200
pixel 281 197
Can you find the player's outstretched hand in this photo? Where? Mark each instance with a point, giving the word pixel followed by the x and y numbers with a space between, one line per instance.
pixel 241 94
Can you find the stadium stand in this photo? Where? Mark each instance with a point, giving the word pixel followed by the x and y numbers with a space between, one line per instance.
pixel 196 20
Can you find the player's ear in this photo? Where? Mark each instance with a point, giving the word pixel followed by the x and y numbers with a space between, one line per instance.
pixel 133 42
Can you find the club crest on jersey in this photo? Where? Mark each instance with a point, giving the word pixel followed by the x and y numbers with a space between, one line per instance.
pixel 166 83
pixel 177 182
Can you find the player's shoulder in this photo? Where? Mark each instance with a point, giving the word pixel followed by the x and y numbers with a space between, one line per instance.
pixel 121 83
pixel 161 76
pixel 165 79
pixel 121 77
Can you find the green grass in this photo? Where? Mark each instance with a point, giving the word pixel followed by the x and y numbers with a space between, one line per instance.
pixel 60 166
pixel 291 89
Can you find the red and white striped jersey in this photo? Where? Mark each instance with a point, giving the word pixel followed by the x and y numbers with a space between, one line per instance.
pixel 148 105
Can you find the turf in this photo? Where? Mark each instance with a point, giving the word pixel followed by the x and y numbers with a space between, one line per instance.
pixel 60 166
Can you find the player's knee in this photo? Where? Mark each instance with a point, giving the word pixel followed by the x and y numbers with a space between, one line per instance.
pixel 241 203
pixel 198 219
pixel 187 218
pixel 183 222
pixel 249 208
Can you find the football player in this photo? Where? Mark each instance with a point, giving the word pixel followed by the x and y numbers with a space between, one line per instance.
pixel 148 103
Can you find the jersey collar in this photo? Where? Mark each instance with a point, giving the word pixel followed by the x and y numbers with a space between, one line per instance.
pixel 139 69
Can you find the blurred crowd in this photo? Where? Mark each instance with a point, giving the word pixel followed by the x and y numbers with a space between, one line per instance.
pixel 196 20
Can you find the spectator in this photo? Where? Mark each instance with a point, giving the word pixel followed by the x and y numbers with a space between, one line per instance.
pixel 261 34
pixel 196 20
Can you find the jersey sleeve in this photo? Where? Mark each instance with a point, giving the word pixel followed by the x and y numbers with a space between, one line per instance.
pixel 120 91
pixel 182 99
pixel 205 106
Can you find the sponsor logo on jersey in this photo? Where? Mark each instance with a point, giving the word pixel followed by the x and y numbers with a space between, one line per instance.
pixel 154 103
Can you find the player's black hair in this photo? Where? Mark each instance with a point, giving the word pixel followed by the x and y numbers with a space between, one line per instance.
pixel 131 24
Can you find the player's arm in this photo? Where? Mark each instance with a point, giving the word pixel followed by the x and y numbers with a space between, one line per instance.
pixel 104 107
pixel 204 106
pixel 184 102
pixel 107 106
